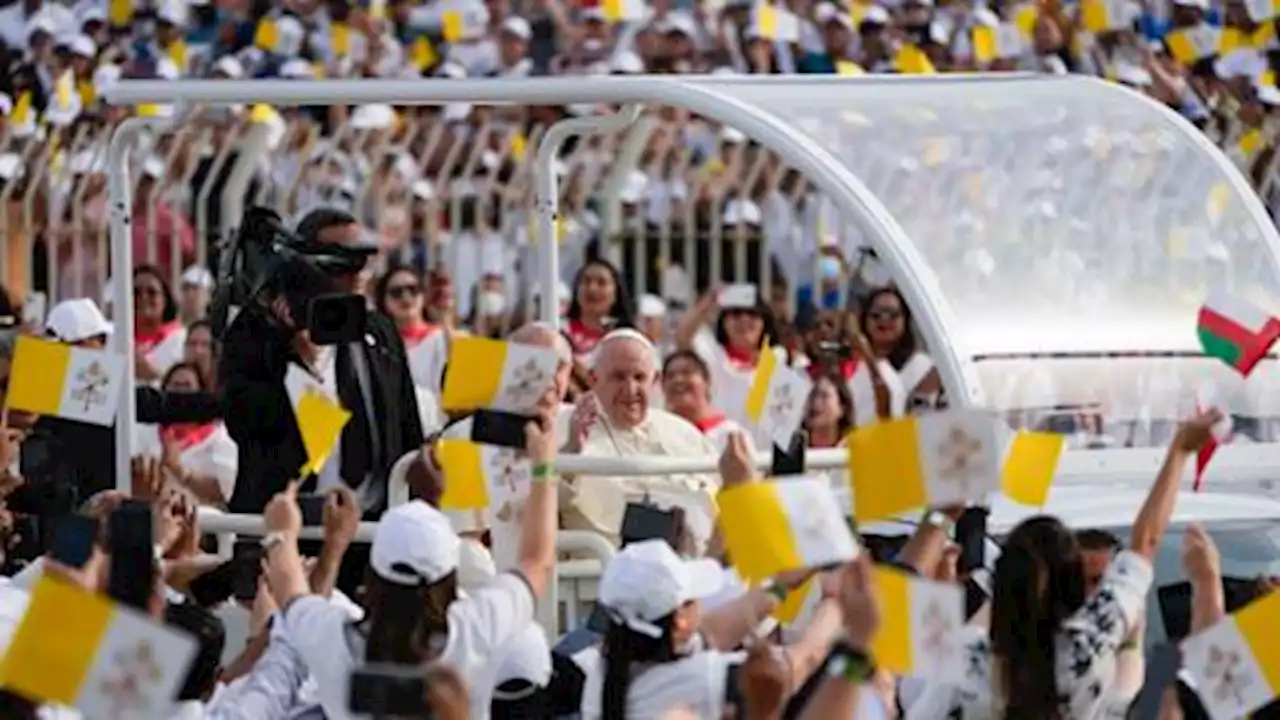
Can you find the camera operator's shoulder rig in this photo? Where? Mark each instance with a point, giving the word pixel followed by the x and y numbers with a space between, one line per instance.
pixel 264 260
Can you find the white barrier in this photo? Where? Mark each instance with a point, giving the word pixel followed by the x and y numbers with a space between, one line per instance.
pixel 556 613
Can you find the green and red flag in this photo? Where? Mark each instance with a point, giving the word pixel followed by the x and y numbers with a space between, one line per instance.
pixel 1236 331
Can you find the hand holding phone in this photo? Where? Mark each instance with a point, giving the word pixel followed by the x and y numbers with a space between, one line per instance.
pixel 312 507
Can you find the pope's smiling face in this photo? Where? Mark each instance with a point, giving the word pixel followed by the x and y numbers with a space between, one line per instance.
pixel 624 373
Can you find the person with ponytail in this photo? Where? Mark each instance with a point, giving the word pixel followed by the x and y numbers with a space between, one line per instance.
pixel 1053 649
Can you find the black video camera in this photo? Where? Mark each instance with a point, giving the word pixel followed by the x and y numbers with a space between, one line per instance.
pixel 265 260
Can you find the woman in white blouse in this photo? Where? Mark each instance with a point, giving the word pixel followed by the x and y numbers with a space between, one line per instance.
pixel 742 333
pixel 158 334
pixel 885 320
pixel 1053 650
pixel 201 456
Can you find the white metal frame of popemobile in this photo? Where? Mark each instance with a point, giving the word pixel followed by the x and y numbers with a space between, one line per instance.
pixel 709 97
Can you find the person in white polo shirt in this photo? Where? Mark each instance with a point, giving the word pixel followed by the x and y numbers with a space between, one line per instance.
pixel 415 613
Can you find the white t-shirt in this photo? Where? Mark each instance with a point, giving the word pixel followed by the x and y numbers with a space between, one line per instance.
pixel 212 455
pixel 696 682
pixel 481 626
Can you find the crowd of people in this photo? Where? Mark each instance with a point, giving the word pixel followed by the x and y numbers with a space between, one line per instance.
pixel 449 598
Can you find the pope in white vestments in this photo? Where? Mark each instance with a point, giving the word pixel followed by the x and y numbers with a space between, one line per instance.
pixel 616 420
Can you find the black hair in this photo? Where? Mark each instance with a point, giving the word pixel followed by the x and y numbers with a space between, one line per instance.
pixel 320 219
pixel 1038 583
pixel 907 344
pixel 1094 539
pixel 179 367
pixel 621 650
pixel 211 639
pixel 16 707
pixel 623 311
pixel 170 301
pixel 383 283
pixel 768 335
pixel 691 356
pixel 404 622
pixel 845 424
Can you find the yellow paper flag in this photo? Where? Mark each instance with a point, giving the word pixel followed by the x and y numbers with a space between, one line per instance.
pixel 452 26
pixel 340 39
pixel 63 89
pixel 1030 466
pixel 1025 17
pixel 984 44
pixel 519 143
pixel 789 609
pixel 320 421
pixel 767 21
pixel 179 54
pixel 848 68
pixel 423 53
pixel 120 13
pixel 149 110
pixel 911 60
pixel 267 35
pixel 22 110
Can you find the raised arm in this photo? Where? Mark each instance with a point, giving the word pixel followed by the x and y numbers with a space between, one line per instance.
pixel 1152 520
pixel 694 319
pixel 539 523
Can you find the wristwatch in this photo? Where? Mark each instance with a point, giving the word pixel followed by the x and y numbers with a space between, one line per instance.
pixel 940 520
pixel 850 663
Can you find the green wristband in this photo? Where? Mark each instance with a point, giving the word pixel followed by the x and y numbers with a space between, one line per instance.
pixel 777 589
pixel 543 472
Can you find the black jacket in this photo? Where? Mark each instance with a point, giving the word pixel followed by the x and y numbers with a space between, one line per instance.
pixel 259 416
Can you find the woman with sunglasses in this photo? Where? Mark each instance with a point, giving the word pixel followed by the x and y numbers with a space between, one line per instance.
pixel 742 332
pixel 885 320
pixel 398 295
pixel 159 337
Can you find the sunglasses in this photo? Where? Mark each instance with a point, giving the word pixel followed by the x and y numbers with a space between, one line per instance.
pixel 402 292
pixel 884 314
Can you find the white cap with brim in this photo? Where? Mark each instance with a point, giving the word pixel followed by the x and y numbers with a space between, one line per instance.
pixel 72 321
pixel 647 581
pixel 651 306
pixel 414 545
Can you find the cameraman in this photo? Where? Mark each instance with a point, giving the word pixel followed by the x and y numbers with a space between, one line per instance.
pixel 371 374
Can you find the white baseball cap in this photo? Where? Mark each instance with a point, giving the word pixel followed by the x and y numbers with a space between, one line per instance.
pixel 647 581
pixel 651 306
pixel 72 321
pixel 414 544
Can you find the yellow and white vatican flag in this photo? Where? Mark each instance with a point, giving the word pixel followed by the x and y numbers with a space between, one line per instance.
pixel 319 414
pixel 932 460
pixel 1030 464
pixel 476 475
pixel 920 626
pixel 1191 45
pixel 1100 16
pixel 496 375
pixel 785 524
pixel 76 383
pixel 776 399
pixel 77 648
pixel 1236 662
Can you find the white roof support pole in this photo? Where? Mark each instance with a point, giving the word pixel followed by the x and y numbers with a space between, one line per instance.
pixel 120 203
pixel 546 201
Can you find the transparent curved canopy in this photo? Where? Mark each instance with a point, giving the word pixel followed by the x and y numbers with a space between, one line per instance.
pixel 1074 228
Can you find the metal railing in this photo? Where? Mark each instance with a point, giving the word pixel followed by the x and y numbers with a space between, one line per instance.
pixel 562 609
